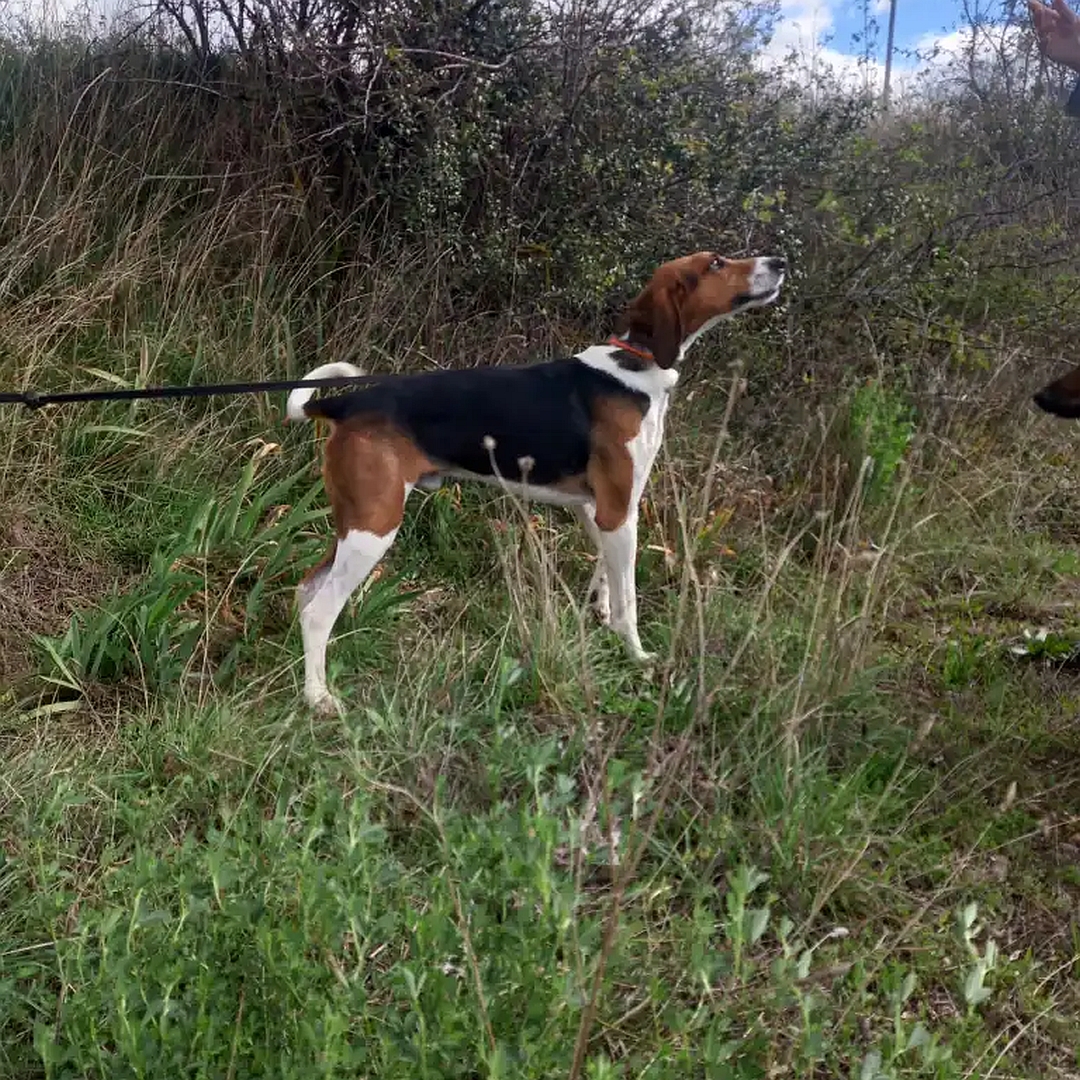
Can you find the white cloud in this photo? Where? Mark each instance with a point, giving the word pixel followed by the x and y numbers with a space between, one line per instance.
pixel 801 37
pixel 801 26
pixel 802 43
pixel 985 41
pixel 992 55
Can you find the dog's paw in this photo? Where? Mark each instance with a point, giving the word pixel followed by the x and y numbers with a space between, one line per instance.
pixel 634 648
pixel 600 602
pixel 326 705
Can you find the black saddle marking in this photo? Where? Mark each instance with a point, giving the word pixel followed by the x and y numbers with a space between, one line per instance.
pixel 540 416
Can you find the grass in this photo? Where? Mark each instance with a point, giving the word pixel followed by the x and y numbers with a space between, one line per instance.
pixel 834 834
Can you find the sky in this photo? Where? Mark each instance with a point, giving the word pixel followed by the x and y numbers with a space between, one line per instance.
pixel 829 30
pixel 915 20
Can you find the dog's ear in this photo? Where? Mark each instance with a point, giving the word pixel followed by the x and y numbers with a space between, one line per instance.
pixel 668 322
pixel 655 316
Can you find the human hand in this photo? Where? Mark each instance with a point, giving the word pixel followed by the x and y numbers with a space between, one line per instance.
pixel 1057 29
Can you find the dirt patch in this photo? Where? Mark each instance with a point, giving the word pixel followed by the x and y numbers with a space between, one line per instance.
pixel 42 580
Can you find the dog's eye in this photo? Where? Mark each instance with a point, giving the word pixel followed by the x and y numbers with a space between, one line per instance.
pixel 717 263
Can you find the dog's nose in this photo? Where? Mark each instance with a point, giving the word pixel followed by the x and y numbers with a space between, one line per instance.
pixel 777 265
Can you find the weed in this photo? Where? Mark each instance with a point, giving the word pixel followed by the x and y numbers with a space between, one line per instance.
pixel 234 549
pixel 881 430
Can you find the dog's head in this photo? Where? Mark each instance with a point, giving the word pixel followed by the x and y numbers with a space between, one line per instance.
pixel 687 296
pixel 1062 396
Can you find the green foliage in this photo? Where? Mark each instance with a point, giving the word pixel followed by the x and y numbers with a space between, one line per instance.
pixel 236 551
pixel 302 937
pixel 881 429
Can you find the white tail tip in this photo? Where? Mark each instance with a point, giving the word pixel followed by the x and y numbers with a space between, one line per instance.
pixel 298 398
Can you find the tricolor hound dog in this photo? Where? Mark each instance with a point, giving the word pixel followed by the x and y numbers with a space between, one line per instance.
pixel 581 432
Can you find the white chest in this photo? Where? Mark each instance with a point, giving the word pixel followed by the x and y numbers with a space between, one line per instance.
pixel 646 445
pixel 657 383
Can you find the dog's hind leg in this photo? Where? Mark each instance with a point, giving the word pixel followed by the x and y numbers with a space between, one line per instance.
pixel 368 476
pixel 321 598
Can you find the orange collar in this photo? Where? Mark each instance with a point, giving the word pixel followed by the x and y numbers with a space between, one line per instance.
pixel 627 347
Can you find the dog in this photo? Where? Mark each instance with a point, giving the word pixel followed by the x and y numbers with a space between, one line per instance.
pixel 581 432
pixel 1062 396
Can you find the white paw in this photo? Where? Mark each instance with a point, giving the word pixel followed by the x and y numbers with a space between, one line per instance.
pixel 633 645
pixel 599 597
pixel 600 602
pixel 325 704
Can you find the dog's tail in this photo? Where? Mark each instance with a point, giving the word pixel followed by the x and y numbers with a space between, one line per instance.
pixel 298 398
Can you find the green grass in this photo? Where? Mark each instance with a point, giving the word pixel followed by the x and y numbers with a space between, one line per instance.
pixel 833 833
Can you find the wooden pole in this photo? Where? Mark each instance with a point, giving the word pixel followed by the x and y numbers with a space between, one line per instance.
pixel 888 55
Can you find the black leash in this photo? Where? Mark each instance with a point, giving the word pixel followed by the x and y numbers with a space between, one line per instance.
pixel 33 400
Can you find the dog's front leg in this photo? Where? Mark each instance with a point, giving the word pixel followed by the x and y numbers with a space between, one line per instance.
pixel 599 594
pixel 619 548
